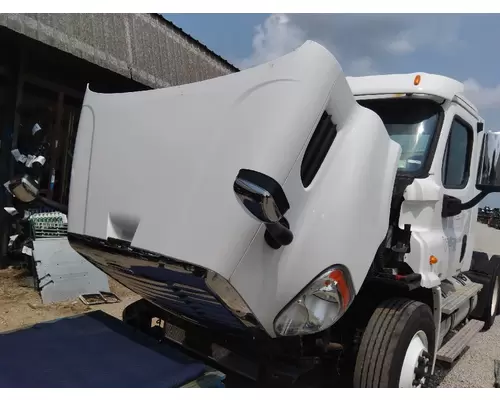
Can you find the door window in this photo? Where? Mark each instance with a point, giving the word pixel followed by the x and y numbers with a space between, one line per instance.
pixel 456 163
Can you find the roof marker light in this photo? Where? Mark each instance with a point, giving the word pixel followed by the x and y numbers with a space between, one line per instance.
pixel 416 81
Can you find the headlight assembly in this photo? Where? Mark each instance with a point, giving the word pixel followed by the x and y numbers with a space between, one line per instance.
pixel 319 305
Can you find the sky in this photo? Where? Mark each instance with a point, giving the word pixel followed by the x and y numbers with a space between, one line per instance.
pixel 461 46
pixel 457 45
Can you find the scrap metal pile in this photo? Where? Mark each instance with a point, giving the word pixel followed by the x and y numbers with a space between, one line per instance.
pixel 38 233
pixel 489 216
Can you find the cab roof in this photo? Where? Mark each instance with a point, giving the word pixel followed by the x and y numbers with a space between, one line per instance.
pixel 435 85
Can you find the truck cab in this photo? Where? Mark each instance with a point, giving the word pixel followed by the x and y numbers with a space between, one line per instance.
pixel 440 133
pixel 293 217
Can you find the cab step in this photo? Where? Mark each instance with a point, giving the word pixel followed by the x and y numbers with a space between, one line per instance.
pixel 451 303
pixel 457 344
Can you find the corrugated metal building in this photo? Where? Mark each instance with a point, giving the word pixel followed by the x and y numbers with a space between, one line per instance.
pixel 48 59
pixel 143 47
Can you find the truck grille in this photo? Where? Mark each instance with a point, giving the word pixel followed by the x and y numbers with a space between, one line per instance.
pixel 174 286
pixel 192 299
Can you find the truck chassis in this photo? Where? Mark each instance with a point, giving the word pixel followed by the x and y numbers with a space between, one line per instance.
pixel 360 346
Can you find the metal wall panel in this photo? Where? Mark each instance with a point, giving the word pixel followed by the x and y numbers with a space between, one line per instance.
pixel 64 274
pixel 143 47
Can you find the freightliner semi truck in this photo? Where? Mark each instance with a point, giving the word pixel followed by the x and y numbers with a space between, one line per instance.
pixel 287 220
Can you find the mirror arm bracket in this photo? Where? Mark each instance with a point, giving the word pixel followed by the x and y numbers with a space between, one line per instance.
pixel 278 234
pixel 475 200
pixel 453 206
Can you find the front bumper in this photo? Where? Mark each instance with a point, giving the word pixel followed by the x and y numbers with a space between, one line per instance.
pixel 252 354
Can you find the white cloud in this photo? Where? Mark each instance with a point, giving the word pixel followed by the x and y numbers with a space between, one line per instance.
pixel 482 97
pixel 400 46
pixel 276 37
pixel 361 42
pixel 361 66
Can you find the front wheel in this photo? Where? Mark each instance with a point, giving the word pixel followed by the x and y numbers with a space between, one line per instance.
pixel 396 345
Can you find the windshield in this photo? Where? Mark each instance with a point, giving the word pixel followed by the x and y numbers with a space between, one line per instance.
pixel 410 122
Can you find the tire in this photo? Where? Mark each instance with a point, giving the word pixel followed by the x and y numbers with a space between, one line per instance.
pixel 385 342
pixel 488 274
pixel 137 316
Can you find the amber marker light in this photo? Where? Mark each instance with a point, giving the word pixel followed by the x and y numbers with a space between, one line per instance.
pixel 338 277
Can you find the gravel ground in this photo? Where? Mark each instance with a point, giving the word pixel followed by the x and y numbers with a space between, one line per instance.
pixel 475 368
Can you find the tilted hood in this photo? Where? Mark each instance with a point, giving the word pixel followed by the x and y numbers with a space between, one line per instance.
pixel 156 168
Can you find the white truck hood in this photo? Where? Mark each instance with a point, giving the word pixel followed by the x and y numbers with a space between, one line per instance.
pixel 157 168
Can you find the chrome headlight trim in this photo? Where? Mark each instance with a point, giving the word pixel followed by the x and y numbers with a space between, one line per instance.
pixel 230 297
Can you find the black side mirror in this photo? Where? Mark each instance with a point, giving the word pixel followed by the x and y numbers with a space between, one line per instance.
pixel 265 200
pixel 488 177
pixel 451 206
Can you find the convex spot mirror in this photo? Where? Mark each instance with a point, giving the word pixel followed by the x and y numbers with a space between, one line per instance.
pixel 264 198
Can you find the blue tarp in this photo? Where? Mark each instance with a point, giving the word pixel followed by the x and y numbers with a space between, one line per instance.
pixel 92 350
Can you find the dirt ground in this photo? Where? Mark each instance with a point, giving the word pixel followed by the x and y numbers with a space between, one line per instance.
pixel 21 305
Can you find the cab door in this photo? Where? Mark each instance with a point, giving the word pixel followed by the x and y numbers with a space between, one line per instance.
pixel 458 176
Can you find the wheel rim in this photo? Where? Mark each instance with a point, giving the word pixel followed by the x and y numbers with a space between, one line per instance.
pixel 416 362
pixel 494 298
